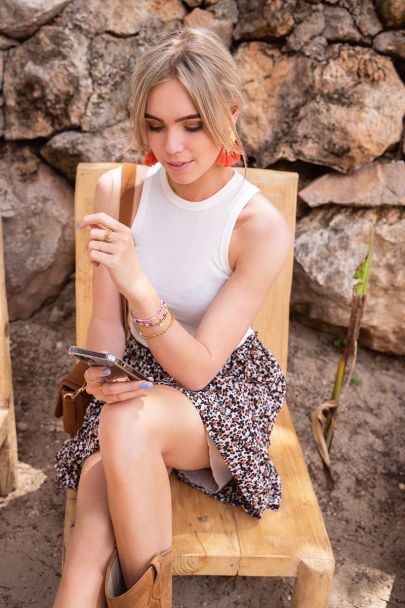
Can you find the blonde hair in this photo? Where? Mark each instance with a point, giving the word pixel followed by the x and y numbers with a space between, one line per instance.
pixel 204 66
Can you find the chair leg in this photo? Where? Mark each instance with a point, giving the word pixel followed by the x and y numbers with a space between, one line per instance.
pixel 312 587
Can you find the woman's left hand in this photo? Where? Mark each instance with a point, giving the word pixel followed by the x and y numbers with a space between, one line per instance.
pixel 112 245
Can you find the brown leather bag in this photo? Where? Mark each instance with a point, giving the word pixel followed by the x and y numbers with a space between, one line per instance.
pixel 71 399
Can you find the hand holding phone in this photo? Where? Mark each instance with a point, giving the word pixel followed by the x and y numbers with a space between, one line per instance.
pixel 114 380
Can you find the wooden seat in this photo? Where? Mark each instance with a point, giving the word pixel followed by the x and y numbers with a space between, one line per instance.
pixel 8 435
pixel 210 537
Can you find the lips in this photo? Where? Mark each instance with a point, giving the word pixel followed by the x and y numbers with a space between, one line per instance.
pixel 180 164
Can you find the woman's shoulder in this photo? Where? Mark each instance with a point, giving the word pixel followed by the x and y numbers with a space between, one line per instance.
pixel 260 214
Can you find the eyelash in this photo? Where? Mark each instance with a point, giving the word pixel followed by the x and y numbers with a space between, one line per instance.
pixel 191 129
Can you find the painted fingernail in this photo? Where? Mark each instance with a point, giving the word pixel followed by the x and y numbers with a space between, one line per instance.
pixel 106 371
pixel 146 385
pixel 77 224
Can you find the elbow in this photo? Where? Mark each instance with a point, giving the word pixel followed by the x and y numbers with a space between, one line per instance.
pixel 196 384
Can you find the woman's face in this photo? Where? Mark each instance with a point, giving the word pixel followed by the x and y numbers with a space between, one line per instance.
pixel 175 133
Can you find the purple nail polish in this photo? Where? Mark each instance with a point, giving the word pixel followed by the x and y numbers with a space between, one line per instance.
pixel 106 371
pixel 146 385
pixel 77 224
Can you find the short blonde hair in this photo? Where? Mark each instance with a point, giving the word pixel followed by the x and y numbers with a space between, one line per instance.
pixel 204 66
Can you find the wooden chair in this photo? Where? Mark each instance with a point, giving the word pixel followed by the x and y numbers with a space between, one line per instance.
pixel 210 537
pixel 8 435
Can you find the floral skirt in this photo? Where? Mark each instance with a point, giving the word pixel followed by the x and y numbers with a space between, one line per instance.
pixel 238 408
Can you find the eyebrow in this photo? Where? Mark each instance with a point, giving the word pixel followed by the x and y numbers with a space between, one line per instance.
pixel 177 119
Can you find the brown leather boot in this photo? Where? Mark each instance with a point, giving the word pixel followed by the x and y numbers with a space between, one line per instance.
pixel 152 590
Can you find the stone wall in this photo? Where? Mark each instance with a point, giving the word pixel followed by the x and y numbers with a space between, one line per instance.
pixel 325 98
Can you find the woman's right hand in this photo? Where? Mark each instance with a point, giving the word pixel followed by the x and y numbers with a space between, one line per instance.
pixel 96 377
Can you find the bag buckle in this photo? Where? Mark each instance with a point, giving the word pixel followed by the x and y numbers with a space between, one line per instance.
pixel 76 393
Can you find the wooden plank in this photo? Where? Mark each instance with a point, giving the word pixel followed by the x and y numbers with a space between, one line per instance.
pixel 8 453
pixel 204 533
pixel 272 321
pixel 3 425
pixel 276 544
pixel 86 179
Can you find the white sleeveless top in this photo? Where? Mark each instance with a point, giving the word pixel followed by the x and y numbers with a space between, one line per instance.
pixel 182 245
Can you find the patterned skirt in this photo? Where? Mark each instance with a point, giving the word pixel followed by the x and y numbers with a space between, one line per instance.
pixel 238 408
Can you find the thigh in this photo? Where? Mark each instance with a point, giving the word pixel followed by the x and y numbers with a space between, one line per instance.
pixel 165 416
pixel 184 440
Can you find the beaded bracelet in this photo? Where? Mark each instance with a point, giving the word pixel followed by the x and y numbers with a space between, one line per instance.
pixel 159 315
pixel 158 322
pixel 161 332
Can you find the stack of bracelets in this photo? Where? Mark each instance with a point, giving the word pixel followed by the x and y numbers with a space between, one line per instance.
pixel 156 320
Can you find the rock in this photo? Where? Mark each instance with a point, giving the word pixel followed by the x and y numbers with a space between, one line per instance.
pixel 38 231
pixel 206 18
pixel 392 43
pixel 339 25
pixel 263 18
pixel 304 31
pixel 46 84
pixel 112 61
pixel 20 19
pixel 1 115
pixel 120 17
pixel 65 150
pixel 193 3
pixel 329 246
pixel 7 43
pixel 273 99
pixel 22 426
pixel 355 112
pixel 378 183
pixel 365 17
pixel 346 112
pixel 392 12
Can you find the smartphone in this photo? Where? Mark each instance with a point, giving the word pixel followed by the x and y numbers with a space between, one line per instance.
pixel 119 369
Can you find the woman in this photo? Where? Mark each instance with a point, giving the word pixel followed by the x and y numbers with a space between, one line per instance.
pixel 202 251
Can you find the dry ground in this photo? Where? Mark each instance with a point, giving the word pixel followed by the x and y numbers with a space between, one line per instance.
pixel 364 514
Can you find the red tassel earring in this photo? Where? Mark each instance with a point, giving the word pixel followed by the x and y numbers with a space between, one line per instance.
pixel 149 159
pixel 227 158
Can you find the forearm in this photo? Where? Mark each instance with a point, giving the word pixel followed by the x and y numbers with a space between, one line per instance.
pixel 106 335
pixel 177 351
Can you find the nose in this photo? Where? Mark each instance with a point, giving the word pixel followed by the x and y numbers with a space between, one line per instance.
pixel 174 142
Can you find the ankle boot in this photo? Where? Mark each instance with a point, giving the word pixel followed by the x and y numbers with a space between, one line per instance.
pixel 152 590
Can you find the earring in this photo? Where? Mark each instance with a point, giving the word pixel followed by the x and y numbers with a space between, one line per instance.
pixel 149 159
pixel 227 158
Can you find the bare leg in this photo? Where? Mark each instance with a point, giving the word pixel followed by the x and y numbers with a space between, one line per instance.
pixel 91 544
pixel 139 439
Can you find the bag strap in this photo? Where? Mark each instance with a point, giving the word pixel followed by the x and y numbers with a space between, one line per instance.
pixel 126 207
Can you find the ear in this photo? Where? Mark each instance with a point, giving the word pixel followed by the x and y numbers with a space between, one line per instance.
pixel 235 113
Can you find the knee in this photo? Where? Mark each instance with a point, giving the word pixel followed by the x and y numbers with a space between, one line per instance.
pixel 129 427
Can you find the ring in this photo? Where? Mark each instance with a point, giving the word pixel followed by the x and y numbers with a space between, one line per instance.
pixel 100 386
pixel 107 236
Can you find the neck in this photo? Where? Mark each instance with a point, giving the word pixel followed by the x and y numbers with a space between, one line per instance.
pixel 204 186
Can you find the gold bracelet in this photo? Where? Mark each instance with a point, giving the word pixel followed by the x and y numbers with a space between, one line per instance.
pixel 160 333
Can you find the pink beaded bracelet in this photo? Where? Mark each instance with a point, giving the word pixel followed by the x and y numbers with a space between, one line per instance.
pixel 155 319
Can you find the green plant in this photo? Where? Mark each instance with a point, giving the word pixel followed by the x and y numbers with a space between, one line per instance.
pixel 324 417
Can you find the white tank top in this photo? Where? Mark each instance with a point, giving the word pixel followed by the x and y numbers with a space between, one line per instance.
pixel 182 245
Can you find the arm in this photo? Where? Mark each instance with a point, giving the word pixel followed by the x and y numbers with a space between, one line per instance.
pixel 265 241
